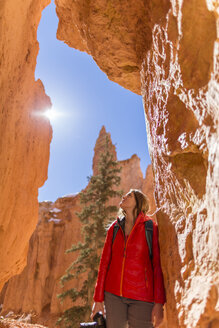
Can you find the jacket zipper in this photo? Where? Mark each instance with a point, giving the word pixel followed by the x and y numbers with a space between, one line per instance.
pixel 124 256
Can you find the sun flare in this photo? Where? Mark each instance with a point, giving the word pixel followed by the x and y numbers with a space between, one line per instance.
pixel 52 114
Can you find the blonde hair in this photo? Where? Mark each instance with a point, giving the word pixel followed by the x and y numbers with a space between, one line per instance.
pixel 142 204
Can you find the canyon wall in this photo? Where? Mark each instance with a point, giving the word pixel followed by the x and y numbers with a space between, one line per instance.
pixel 35 290
pixel 168 51
pixel 25 137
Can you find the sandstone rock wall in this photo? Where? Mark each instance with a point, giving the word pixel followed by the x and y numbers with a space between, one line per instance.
pixel 168 51
pixel 180 86
pixel 25 138
pixel 35 290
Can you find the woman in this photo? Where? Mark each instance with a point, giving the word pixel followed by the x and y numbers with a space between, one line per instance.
pixel 129 283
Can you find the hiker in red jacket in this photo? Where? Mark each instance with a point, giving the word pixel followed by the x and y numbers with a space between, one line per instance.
pixel 130 284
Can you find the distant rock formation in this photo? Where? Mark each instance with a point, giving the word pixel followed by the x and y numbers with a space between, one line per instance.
pixel 99 148
pixel 35 289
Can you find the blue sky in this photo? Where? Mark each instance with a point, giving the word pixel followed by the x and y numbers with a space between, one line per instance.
pixel 86 100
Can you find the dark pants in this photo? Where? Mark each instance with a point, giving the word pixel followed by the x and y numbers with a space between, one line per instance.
pixel 122 312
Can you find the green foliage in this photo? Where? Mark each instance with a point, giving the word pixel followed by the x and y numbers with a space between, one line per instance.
pixel 68 318
pixel 95 215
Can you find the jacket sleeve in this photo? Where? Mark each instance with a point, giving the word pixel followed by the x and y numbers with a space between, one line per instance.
pixel 103 267
pixel 159 289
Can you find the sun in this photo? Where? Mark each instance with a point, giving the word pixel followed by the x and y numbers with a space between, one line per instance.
pixel 52 114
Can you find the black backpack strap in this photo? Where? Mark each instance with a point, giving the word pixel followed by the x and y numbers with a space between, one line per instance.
pixel 115 230
pixel 149 236
pixel 119 223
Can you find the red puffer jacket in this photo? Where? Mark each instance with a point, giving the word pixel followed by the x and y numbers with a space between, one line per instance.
pixel 125 266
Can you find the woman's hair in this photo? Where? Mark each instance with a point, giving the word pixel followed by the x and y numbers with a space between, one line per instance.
pixel 142 204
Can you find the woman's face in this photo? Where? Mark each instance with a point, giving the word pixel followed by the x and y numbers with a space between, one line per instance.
pixel 128 201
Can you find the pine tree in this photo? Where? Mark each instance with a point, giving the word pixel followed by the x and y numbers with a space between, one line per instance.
pixel 95 215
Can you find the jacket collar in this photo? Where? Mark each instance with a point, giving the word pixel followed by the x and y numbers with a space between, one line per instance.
pixel 140 218
pixel 143 217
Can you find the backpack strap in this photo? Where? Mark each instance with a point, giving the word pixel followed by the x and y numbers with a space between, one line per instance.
pixel 115 230
pixel 118 224
pixel 149 236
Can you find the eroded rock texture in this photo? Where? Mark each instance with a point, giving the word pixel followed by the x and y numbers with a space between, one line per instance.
pixel 35 289
pixel 25 138
pixel 168 51
pixel 115 33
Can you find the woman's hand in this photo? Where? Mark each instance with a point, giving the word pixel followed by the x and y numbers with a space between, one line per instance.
pixel 97 307
pixel 157 314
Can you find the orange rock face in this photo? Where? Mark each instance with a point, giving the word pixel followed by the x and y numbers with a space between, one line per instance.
pixel 179 76
pixel 115 33
pixel 25 137
pixel 35 289
pixel 173 45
